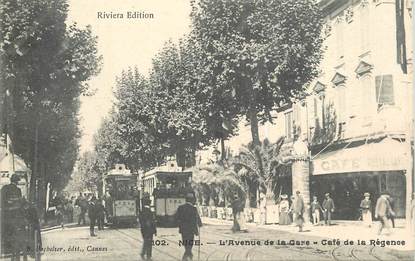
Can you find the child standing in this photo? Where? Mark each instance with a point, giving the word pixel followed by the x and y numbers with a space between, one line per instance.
pixel 315 211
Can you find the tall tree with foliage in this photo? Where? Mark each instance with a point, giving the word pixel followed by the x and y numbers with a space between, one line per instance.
pixel 138 122
pixel 179 114
pixel 264 51
pixel 46 65
pixel 220 112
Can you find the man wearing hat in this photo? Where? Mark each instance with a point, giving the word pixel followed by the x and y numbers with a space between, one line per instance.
pixel 328 209
pixel 148 228
pixel 383 211
pixel 189 222
pixel 365 206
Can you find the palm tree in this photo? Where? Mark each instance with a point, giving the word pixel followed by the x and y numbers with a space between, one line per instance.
pixel 219 180
pixel 262 165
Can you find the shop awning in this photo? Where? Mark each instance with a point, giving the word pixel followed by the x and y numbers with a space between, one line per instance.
pixel 387 155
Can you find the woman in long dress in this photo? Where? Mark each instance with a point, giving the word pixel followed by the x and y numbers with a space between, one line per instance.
pixel 285 218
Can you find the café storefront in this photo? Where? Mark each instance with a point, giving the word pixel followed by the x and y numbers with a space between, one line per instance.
pixel 372 167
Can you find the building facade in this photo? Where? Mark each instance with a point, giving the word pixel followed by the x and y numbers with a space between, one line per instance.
pixel 356 120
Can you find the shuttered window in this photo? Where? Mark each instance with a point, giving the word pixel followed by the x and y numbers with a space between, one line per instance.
pixel 384 90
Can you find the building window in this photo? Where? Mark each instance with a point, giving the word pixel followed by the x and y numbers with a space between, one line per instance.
pixel 289 125
pixel 384 90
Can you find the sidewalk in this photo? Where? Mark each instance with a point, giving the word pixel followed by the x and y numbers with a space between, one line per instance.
pixel 342 230
pixel 45 228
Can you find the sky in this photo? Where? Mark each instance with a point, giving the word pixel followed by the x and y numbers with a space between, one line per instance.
pixel 124 43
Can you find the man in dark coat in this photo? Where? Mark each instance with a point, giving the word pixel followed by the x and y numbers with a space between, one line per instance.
pixel 92 214
pixel 189 222
pixel 12 218
pixel 383 211
pixel 148 229
pixel 298 211
pixel 328 209
pixel 82 203
pixel 100 214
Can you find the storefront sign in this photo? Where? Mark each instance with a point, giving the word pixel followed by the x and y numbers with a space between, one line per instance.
pixel 373 157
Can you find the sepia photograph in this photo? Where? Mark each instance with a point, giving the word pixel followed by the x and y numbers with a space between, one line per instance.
pixel 207 130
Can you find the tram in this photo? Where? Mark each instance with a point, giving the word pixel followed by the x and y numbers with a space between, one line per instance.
pixel 121 196
pixel 167 187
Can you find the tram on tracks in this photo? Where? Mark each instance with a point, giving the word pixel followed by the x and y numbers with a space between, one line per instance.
pixel 121 196
pixel 167 187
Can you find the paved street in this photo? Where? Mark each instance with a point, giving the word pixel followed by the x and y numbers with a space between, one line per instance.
pixel 125 244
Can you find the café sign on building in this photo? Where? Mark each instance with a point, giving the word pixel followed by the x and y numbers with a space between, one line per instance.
pixel 371 167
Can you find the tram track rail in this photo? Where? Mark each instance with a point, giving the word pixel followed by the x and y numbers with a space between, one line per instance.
pixel 138 240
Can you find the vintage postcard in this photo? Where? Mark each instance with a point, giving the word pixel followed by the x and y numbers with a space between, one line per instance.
pixel 206 130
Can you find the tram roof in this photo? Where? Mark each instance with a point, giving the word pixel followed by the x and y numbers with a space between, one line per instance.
pixel 161 173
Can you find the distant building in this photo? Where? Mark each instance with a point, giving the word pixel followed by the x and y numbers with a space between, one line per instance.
pixel 12 164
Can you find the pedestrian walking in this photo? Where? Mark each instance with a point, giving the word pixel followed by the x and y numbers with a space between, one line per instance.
pixel 366 206
pixel 148 229
pixel 92 214
pixel 284 218
pixel 100 214
pixel 392 204
pixel 238 214
pixel 69 210
pixel 298 210
pixel 60 210
pixel 315 211
pixel 328 208
pixel 82 203
pixel 189 222
pixel 383 211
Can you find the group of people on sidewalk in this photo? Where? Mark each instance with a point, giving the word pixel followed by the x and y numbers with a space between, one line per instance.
pixel 63 209
pixel 295 211
pixel 290 212
pixel 95 209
